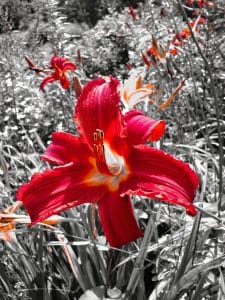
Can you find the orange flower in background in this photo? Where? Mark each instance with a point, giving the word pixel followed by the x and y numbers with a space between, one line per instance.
pixel 9 219
pixel 186 33
pixel 8 223
pixel 173 51
pixel 154 54
pixel 7 231
pixel 60 65
pixel 134 91
pixel 181 37
pixel 156 51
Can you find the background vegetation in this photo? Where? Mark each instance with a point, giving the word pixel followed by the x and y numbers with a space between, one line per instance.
pixel 180 257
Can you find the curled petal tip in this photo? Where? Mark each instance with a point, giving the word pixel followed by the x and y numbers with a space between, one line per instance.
pixel 191 210
pixel 141 128
pixel 157 130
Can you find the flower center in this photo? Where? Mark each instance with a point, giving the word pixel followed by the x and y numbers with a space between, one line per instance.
pixel 108 163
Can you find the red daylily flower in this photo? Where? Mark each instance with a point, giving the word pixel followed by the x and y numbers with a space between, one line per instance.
pixel 60 65
pixel 106 164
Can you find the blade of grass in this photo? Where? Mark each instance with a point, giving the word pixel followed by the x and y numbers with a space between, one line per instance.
pixel 139 263
pixel 190 248
pixel 72 259
pixel 192 276
pixel 221 294
pixel 198 291
pixel 216 105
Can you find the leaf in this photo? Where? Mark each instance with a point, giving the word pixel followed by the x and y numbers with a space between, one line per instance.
pixel 189 249
pixel 192 276
pixel 5 169
pixel 222 286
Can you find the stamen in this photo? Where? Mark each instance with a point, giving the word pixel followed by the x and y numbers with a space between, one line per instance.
pixel 110 168
pixel 95 136
pixel 102 134
pixel 98 148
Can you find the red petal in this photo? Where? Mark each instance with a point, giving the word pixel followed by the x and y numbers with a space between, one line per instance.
pixel 173 51
pixel 59 189
pixel 66 148
pixel 140 128
pixel 98 108
pixel 64 81
pixel 159 175
pixel 57 61
pixel 68 66
pixel 117 219
pixel 48 79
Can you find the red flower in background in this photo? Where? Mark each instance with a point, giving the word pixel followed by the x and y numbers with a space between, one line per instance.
pixel 156 51
pixel 106 164
pixel 60 65
pixel 185 34
pixel 199 3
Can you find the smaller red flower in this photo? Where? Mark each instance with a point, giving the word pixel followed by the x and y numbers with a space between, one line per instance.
pixel 60 65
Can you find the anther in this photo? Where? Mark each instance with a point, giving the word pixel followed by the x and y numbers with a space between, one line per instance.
pixel 113 169
pixel 98 136
pixel 95 136
pixel 102 134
